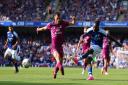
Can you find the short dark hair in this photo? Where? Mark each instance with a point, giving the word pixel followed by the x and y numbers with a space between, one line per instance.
pixel 97 22
pixel 10 27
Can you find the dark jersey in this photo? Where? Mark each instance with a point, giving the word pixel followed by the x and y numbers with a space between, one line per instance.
pixel 96 37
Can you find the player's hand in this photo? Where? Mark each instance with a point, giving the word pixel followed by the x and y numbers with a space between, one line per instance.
pixel 37 29
pixel 73 17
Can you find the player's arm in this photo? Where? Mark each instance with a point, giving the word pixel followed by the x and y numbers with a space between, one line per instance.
pixel 112 39
pixel 41 29
pixel 6 42
pixel 73 21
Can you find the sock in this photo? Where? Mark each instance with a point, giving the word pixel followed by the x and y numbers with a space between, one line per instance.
pixel 61 68
pixel 16 67
pixel 90 70
pixel 56 69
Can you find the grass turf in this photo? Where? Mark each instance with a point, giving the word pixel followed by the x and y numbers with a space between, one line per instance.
pixel 43 76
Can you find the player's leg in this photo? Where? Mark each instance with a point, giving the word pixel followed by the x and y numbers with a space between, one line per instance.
pixel 59 61
pixel 7 53
pixel 56 68
pixel 95 52
pixel 103 60
pixel 85 63
pixel 107 60
pixel 90 51
pixel 14 61
pixel 103 68
pixel 90 75
pixel 61 65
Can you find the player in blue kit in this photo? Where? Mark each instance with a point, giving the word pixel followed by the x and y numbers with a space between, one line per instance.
pixel 11 45
pixel 97 36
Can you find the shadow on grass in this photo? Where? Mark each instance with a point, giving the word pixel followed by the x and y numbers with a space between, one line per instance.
pixel 99 79
pixel 111 80
pixel 27 83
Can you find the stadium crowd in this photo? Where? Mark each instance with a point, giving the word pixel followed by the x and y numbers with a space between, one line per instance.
pixel 23 10
pixel 36 10
pixel 91 9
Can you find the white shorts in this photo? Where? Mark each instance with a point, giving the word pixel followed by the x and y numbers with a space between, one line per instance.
pixel 13 53
pixel 97 50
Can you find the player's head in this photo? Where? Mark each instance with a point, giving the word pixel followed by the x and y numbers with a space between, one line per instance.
pixel 57 18
pixel 85 29
pixel 10 28
pixel 97 24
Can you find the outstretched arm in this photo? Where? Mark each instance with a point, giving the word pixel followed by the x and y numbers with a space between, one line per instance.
pixel 5 46
pixel 111 38
pixel 41 29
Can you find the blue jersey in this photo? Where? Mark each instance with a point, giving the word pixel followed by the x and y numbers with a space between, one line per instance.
pixel 11 39
pixel 96 36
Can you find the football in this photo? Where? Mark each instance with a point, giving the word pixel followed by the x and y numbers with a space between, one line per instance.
pixel 26 63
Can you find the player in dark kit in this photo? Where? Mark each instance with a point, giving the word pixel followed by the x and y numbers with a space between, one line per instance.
pixel 97 36
pixel 57 27
pixel 11 45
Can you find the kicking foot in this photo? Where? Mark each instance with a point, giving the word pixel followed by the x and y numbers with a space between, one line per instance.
pixel 54 75
pixel 90 77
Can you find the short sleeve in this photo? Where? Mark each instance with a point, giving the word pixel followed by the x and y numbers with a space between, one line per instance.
pixel 89 29
pixel 48 26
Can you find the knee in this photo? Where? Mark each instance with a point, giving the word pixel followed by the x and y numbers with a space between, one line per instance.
pixel 91 51
pixel 89 60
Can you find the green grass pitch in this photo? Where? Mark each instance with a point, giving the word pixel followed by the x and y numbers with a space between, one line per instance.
pixel 43 76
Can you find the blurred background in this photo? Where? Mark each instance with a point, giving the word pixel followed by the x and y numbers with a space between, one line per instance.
pixel 27 15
